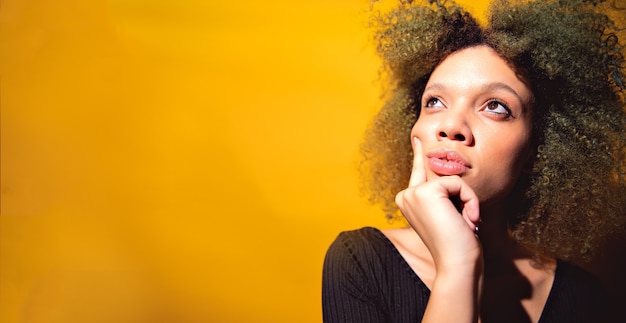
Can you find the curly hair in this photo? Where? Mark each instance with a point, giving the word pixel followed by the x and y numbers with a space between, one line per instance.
pixel 572 196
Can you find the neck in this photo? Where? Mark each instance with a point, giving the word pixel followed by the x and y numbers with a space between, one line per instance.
pixel 499 249
pixel 514 283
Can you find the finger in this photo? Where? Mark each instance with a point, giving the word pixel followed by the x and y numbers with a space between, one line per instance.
pixel 418 173
pixel 468 198
pixel 471 213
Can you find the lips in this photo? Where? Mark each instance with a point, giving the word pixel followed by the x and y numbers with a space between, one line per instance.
pixel 447 162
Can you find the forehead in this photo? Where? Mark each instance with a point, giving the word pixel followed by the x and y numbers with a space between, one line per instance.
pixel 478 67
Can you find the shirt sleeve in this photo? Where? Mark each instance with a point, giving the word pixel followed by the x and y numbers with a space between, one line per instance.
pixel 349 291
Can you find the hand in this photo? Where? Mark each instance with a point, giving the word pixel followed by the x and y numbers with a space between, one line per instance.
pixel 448 234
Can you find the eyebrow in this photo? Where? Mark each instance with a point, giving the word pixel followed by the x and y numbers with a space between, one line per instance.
pixel 502 86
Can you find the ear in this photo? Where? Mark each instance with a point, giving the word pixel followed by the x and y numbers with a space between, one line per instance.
pixel 530 157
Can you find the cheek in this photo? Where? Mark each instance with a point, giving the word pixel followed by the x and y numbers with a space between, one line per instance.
pixel 415 129
pixel 420 129
pixel 513 154
pixel 521 148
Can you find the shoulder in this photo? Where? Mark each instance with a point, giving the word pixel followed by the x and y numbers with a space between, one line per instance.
pixel 364 279
pixel 571 278
pixel 576 296
pixel 368 254
pixel 361 243
pixel 355 263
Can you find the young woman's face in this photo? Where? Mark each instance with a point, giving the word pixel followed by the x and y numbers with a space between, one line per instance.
pixel 475 122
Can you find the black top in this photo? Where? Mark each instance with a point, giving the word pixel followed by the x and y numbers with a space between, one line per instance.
pixel 365 279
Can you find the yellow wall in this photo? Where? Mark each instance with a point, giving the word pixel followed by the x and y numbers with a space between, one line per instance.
pixel 178 161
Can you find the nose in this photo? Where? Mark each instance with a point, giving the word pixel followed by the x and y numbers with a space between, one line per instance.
pixel 454 126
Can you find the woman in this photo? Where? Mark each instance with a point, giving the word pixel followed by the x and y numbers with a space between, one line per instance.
pixel 506 145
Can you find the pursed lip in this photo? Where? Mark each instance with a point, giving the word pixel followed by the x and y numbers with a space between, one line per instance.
pixel 447 162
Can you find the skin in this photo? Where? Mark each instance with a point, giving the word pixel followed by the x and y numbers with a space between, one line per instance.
pixel 470 144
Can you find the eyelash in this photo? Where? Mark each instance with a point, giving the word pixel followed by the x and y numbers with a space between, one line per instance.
pixel 427 103
pixel 427 100
pixel 508 113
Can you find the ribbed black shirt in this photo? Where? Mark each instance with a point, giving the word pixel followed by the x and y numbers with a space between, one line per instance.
pixel 365 279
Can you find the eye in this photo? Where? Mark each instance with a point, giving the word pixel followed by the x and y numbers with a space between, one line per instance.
pixel 499 108
pixel 432 102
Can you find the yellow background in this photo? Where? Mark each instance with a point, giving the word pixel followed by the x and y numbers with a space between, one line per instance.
pixel 179 161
